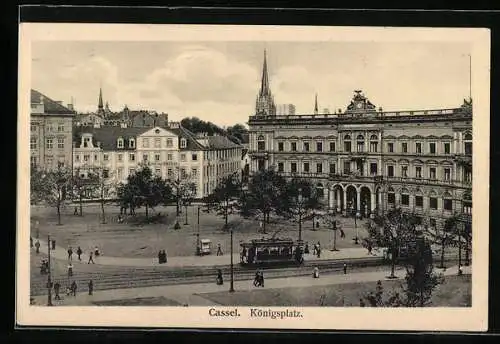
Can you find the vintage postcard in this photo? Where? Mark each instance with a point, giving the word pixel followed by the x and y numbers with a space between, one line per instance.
pixel 258 177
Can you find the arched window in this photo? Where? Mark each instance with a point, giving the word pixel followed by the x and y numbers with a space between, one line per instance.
pixel 467 203
pixel 433 201
pixel 261 143
pixel 347 143
pixel 447 202
pixel 131 143
pixel 391 196
pixel 405 197
pixel 419 199
pixel 373 143
pixel 320 191
pixel 360 143
pixel 468 144
pixel 119 142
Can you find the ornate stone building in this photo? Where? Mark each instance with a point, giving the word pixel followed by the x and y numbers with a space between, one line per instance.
pixel 364 160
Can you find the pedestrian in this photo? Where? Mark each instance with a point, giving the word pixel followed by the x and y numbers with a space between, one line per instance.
pixel 164 254
pixel 361 303
pixel 37 247
pixel 219 280
pixel 91 258
pixel 68 291
pixel 345 268
pixel 460 272
pixel 160 257
pixel 31 242
pixel 74 287
pixel 306 248
pixel 261 279
pixel 317 224
pixel 256 279
pixel 316 272
pixel 79 253
pixel 342 233
pixel 318 250
pixel 70 253
pixel 76 211
pixel 57 287
pixel 70 270
pixel 91 287
pixel 219 250
pixel 96 252
pixel 315 249
pixel 369 248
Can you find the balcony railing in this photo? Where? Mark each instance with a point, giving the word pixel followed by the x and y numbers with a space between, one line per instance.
pixel 428 181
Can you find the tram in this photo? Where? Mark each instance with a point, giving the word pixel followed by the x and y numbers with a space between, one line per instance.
pixel 273 251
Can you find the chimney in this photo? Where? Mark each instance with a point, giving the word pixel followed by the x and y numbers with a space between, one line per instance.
pixel 70 106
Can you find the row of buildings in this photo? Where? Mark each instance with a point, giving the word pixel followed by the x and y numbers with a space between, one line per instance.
pixel 364 160
pixel 119 145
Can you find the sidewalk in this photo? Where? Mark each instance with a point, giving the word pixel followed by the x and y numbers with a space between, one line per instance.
pixel 187 294
pixel 61 253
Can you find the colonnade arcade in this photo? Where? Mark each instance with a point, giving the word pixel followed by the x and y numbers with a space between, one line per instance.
pixel 354 199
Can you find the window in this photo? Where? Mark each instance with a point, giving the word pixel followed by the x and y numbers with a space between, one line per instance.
pixel 105 173
pixel 33 143
pixel 170 143
pixel 404 171
pixel 105 157
pixel 157 156
pixel 447 148
pixel 404 147
pixel 332 146
pixel 433 203
pixel 432 148
pixel 391 197
pixel 373 143
pixel 448 204
pixel 131 143
pixel 145 143
pixel 194 157
pixel 86 141
pixel 468 144
pixel 50 128
pixel 347 167
pixel 33 128
pixel 157 171
pixel 120 143
pixel 49 143
pixel 131 157
pixel 50 160
pixel 60 127
pixel 281 146
pixel 96 157
pixel 319 167
pixel 281 167
pixel 169 173
pixel 194 172
pixel 33 161
pixel 183 157
pixel 306 146
pixel 360 145
pixel 390 171
pixel 293 146
pixel 183 143
pixel 405 199
pixel 332 167
pixel 432 172
pixel 447 174
pixel 419 201
pixel 319 146
pixel 418 172
pixel 131 171
pixel 119 173
pixel 418 148
pixel 293 167
pixel 183 173
pixel 390 147
pixel 373 168
pixel 157 143
pixel 77 156
pixel 169 157
pixel 306 167
pixel 347 143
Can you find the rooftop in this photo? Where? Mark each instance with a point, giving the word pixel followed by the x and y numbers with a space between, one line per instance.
pixel 50 106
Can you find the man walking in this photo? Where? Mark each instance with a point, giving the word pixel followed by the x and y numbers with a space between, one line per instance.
pixel 91 287
pixel 70 270
pixel 73 288
pixel 219 250
pixel 57 287
pixel 79 253
pixel 91 258
pixel 37 247
pixel 70 254
pixel 345 268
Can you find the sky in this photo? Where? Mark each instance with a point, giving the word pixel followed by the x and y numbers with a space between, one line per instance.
pixel 219 81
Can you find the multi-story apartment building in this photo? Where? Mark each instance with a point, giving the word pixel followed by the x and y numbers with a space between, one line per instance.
pixel 365 160
pixel 51 128
pixel 172 152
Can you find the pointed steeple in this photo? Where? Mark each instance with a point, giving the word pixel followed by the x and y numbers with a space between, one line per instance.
pixel 316 104
pixel 264 86
pixel 100 105
pixel 265 101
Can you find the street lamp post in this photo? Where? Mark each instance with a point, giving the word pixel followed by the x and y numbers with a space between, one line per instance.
pixel 198 248
pixel 334 228
pixel 231 287
pixel 356 239
pixel 49 279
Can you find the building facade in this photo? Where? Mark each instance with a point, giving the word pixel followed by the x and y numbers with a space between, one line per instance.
pixel 51 130
pixel 364 161
pixel 173 153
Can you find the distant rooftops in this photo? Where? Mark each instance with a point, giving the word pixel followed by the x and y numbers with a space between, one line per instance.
pixel 49 106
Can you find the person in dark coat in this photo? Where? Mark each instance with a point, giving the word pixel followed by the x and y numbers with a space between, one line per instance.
pixel 37 247
pixel 261 279
pixel 91 287
pixel 70 253
pixel 160 257
pixel 31 242
pixel 219 279
pixel 91 258
pixel 256 280
pixel 164 256
pixel 57 287
pixel 79 253
pixel 74 287
pixel 345 268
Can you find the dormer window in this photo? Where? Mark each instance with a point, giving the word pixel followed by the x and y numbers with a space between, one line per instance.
pixel 183 143
pixel 120 143
pixel 131 143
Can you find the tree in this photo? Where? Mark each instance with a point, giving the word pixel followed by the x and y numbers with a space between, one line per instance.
pixel 394 230
pixel 443 237
pixel 265 193
pixel 299 202
pixel 332 223
pixel 224 198
pixel 237 133
pixel 80 186
pixel 50 186
pixel 183 190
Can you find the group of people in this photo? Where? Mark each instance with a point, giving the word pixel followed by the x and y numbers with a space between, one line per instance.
pixel 71 289
pixel 259 279
pixel 162 257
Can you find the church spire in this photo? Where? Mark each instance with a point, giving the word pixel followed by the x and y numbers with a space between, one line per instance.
pixel 100 105
pixel 264 87
pixel 316 104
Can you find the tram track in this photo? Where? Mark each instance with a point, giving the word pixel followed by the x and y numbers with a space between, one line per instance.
pixel 158 276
